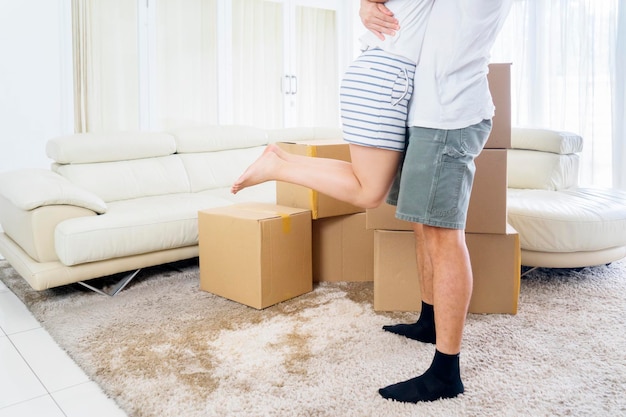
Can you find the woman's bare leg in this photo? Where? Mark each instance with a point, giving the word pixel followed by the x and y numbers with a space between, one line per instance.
pixel 303 159
pixel 364 182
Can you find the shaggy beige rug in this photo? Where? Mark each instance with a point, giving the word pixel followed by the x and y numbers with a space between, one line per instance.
pixel 162 347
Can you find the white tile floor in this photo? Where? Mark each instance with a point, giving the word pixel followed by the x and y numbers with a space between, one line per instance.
pixel 37 378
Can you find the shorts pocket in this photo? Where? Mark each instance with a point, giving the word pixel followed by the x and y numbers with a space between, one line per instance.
pixel 401 89
pixel 452 191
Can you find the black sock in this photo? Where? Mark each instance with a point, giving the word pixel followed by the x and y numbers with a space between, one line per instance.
pixel 441 380
pixel 422 330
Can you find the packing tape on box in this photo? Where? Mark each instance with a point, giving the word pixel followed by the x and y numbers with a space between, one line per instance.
pixel 312 152
pixel 286 219
pixel 314 203
pixel 286 222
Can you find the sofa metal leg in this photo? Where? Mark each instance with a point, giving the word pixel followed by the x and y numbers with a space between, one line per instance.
pixel 119 287
pixel 527 271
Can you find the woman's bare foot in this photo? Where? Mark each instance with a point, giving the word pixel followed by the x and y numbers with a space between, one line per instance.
pixel 261 170
pixel 280 152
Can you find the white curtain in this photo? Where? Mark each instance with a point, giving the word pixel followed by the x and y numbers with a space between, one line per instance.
pixel 564 76
pixel 258 66
pixel 186 83
pixel 619 102
pixel 317 67
pixel 186 63
pixel 105 65
pixel 284 64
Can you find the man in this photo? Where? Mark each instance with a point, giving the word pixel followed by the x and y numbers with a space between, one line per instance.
pixel 449 122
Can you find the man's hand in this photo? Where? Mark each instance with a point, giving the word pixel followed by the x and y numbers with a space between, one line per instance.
pixel 377 18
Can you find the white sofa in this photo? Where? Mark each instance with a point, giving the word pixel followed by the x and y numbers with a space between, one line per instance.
pixel 560 223
pixel 120 202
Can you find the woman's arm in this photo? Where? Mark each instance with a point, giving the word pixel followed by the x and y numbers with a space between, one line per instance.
pixel 377 18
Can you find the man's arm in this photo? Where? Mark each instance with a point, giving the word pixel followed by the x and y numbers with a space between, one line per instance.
pixel 377 18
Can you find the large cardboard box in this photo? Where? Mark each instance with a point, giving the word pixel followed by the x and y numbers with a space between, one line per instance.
pixel 487 207
pixel 383 217
pixel 499 78
pixel 343 249
pixel 396 286
pixel 320 204
pixel 495 265
pixel 256 254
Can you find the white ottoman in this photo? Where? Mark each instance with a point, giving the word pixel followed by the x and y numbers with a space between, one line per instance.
pixel 561 225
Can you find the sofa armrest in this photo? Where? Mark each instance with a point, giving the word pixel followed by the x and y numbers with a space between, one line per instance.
pixel 28 189
pixel 33 230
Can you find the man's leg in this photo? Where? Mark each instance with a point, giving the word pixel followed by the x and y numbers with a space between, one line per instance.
pixel 423 329
pixel 452 287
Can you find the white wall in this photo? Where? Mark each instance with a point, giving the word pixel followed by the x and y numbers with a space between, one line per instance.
pixel 35 79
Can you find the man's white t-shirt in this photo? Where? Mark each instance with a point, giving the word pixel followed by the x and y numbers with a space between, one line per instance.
pixel 450 85
pixel 412 17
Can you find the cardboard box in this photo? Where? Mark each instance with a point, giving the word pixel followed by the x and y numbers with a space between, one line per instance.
pixel 499 78
pixel 396 286
pixel 383 217
pixel 496 265
pixel 256 254
pixel 320 204
pixel 487 207
pixel 343 249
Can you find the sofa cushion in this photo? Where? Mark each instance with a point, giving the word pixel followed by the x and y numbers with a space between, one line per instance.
pixel 217 138
pixel 546 140
pixel 541 170
pixel 133 227
pixel 124 180
pixel 84 148
pixel 574 220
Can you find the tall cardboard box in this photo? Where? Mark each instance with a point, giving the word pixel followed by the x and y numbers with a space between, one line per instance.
pixel 320 204
pixel 499 78
pixel 256 254
pixel 396 287
pixel 343 249
pixel 496 264
pixel 487 207
pixel 383 217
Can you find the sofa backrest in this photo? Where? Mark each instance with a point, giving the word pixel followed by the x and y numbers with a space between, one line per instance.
pixel 120 166
pixel 538 170
pixel 217 138
pixel 85 148
pixel 543 159
pixel 123 180
pixel 215 156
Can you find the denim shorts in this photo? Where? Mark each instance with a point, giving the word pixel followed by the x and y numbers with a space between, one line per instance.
pixel 434 181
